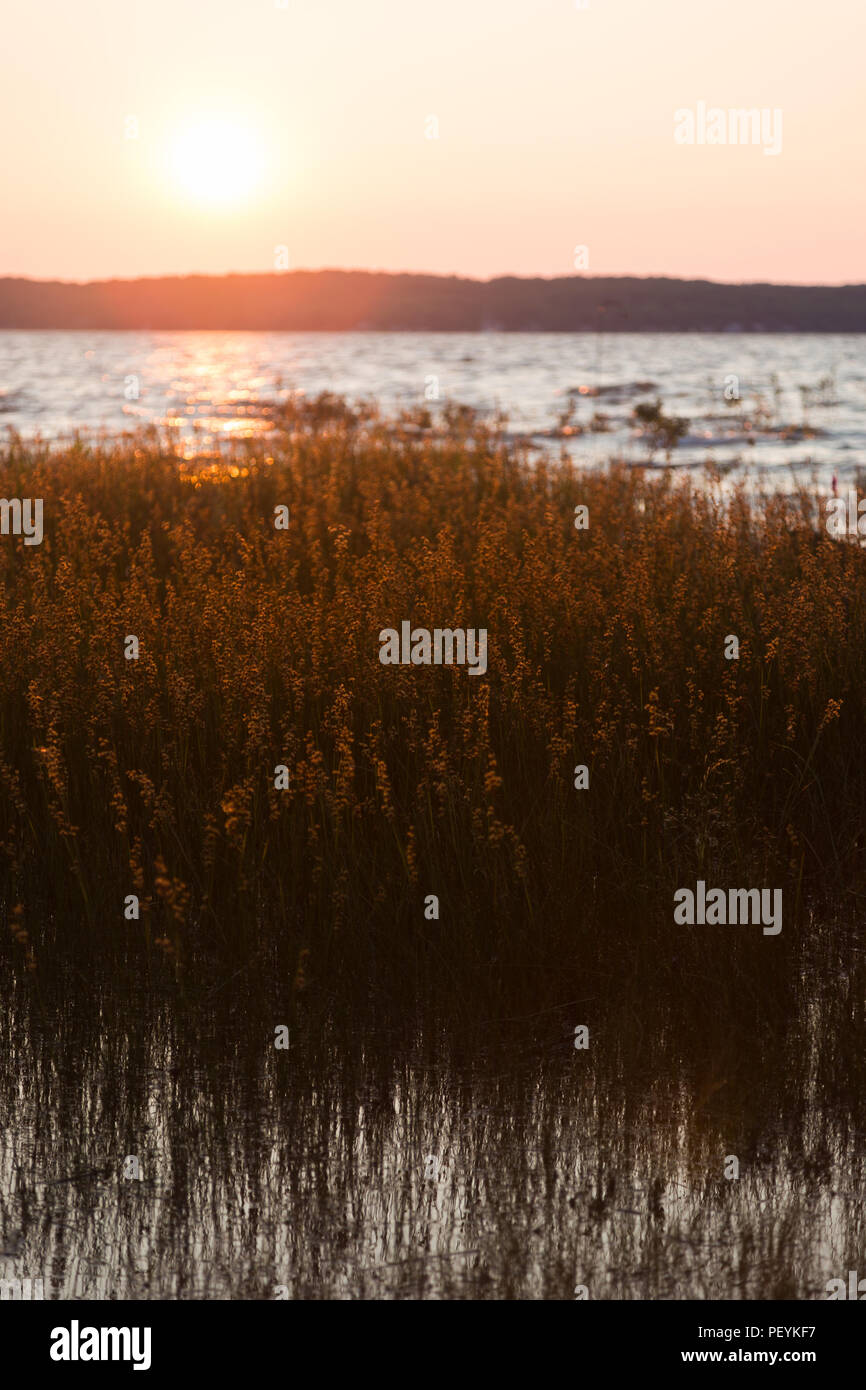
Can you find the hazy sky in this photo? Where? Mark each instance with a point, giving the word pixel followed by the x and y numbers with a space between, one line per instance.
pixel 306 127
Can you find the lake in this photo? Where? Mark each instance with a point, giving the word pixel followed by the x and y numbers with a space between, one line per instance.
pixel 155 1141
pixel 386 1156
pixel 784 406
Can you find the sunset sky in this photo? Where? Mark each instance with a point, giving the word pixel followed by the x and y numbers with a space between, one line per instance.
pixel 556 129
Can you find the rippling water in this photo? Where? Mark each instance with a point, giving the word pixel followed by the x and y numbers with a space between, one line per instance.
pixel 801 406
pixel 394 1157
pixel 432 1157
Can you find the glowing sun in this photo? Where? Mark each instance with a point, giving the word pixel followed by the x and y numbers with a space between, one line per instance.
pixel 217 160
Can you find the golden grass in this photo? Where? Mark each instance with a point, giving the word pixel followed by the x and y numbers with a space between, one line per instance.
pixel 259 647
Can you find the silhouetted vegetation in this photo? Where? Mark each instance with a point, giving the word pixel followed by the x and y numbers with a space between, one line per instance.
pixel 354 299
pixel 259 647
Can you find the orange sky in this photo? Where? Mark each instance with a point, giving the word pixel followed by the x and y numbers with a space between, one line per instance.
pixel 555 129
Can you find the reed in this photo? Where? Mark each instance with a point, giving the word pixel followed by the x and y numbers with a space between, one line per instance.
pixel 259 647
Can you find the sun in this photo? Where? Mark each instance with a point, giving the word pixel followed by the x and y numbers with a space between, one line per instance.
pixel 217 160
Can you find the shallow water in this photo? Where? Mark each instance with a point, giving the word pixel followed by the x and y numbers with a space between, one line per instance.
pixel 418 1154
pixel 208 384
pixel 429 1160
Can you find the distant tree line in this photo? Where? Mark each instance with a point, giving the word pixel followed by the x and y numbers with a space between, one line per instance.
pixel 351 299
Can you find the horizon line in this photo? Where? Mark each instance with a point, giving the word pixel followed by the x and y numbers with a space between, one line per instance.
pixel 428 275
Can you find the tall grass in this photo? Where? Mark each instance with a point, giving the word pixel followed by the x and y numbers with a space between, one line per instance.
pixel 258 647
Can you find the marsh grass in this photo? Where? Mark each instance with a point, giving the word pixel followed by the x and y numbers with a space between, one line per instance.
pixel 306 1167
pixel 258 647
